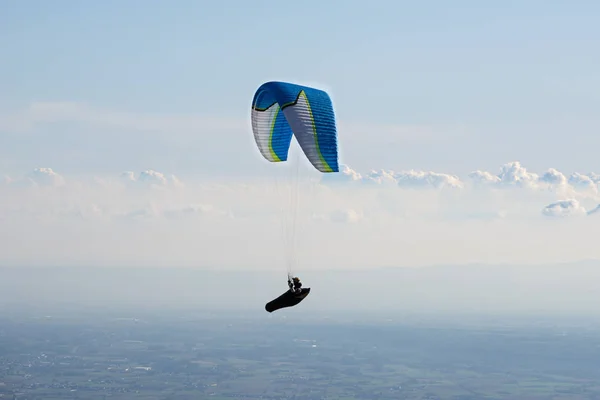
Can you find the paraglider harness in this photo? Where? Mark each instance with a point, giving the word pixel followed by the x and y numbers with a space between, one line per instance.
pixel 290 298
pixel 294 284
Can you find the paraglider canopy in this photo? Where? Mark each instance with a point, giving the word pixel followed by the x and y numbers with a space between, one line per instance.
pixel 280 110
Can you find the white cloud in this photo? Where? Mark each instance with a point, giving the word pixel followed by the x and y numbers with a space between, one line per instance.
pixel 511 175
pixel 166 190
pixel 564 208
pixel 130 197
pixel 483 178
pixel 513 193
pixel 37 177
pixel 514 173
pixel 346 174
pixel 426 179
pixel 150 217
pixel 406 179
pixel 553 178
pixel 151 178
pixel 584 182
pixel 380 177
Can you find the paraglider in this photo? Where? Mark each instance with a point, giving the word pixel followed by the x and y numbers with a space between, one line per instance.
pixel 290 298
pixel 280 111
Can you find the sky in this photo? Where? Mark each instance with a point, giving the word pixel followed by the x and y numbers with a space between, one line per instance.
pixel 467 133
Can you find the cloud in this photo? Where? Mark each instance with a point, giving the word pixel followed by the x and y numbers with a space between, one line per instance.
pixel 514 173
pixel 405 179
pixel 553 178
pixel 484 178
pixel 513 193
pixel 37 177
pixel 584 182
pixel 345 175
pixel 564 208
pixel 151 178
pixel 380 177
pixel 426 179
pixel 152 194
pixel 146 218
pixel 149 194
pixel 511 175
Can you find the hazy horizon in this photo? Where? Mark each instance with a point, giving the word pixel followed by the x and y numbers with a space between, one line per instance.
pixel 552 290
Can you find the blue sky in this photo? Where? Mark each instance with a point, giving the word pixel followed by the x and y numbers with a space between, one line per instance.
pixel 498 73
pixel 97 88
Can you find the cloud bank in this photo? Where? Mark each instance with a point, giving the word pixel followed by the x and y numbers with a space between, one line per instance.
pixel 380 217
pixel 511 175
pixel 577 187
pixel 349 193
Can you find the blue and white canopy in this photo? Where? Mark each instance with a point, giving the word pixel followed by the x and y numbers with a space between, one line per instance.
pixel 280 110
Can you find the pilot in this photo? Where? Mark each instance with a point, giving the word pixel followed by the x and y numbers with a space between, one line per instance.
pixel 295 285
